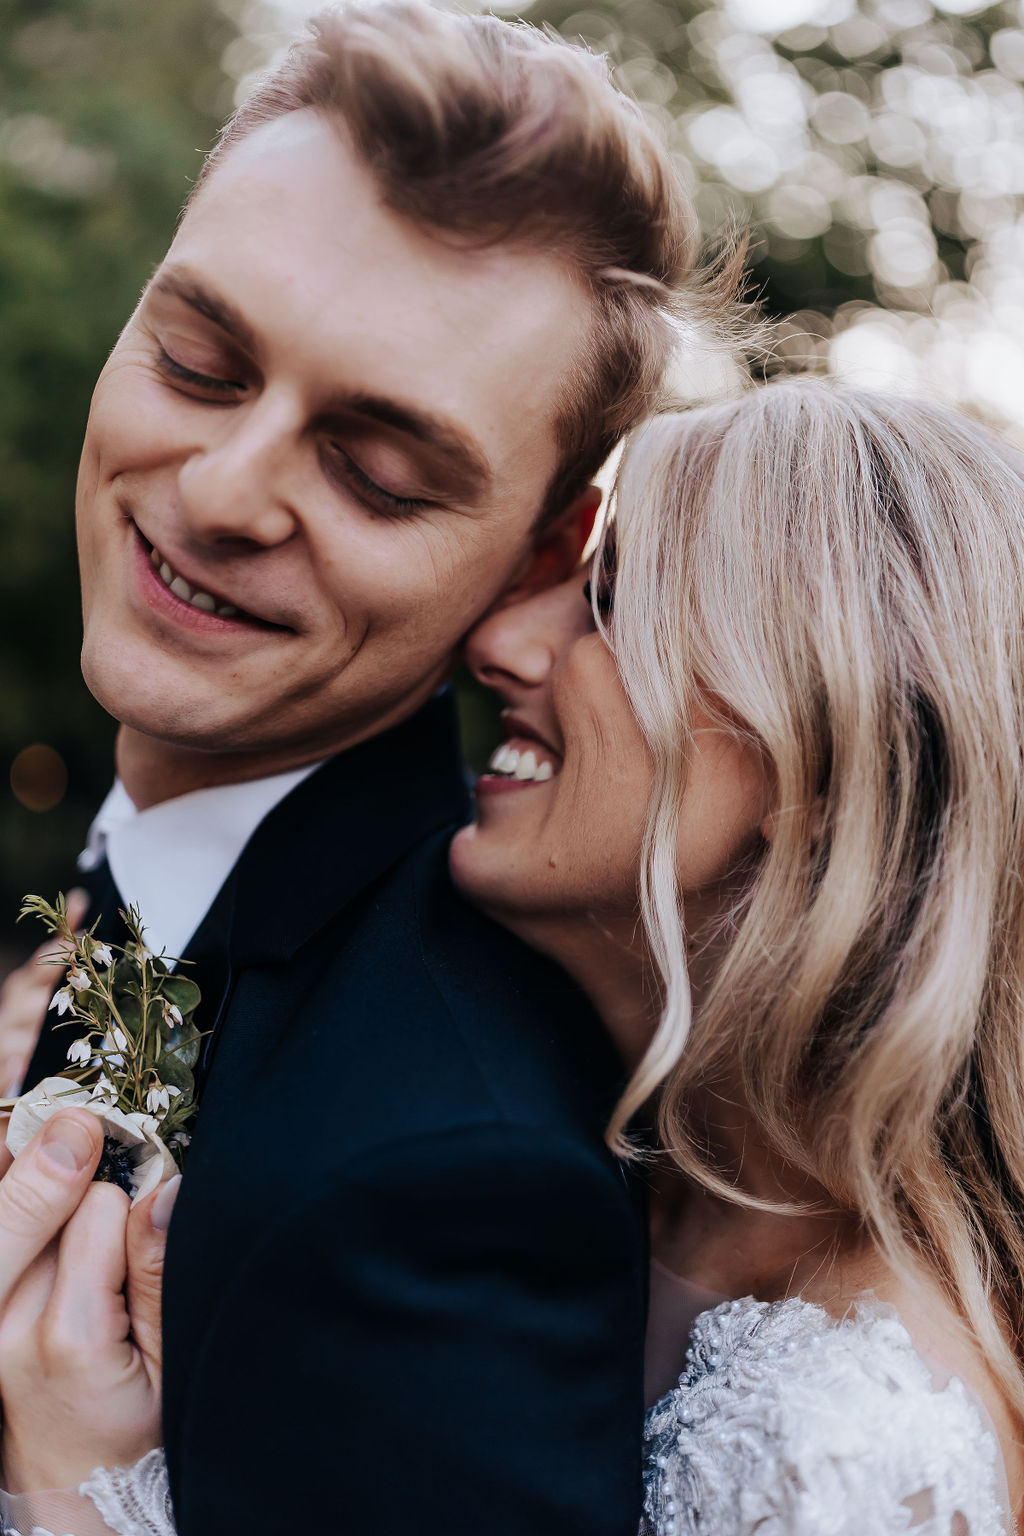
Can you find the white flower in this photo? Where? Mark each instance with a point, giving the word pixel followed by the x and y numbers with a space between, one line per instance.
pixel 120 1039
pixel 81 1051
pixel 181 1139
pixel 103 1089
pixel 79 980
pixel 111 1057
pixel 102 954
pixel 172 1014
pixel 152 1162
pixel 158 1099
pixel 62 1001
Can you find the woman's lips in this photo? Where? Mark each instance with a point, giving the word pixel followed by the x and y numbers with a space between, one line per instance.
pixel 523 759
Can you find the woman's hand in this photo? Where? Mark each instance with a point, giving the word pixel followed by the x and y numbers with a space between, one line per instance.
pixel 79 1360
pixel 24 998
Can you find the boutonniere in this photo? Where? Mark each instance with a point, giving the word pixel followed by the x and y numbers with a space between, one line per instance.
pixel 131 1059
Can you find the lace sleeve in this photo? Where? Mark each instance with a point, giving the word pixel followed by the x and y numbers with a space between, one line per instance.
pixel 130 1501
pixel 788 1423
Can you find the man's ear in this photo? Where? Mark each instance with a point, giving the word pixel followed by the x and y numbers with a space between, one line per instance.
pixel 557 549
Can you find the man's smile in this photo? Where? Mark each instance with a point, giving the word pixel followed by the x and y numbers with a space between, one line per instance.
pixel 198 598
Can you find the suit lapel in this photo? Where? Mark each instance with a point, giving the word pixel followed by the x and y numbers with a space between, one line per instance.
pixel 320 848
pixel 342 828
pixel 315 854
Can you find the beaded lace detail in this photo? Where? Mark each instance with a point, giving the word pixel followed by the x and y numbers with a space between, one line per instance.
pixel 135 1500
pixel 786 1422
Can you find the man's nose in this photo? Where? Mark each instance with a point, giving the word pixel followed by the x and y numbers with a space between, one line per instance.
pixel 515 648
pixel 233 487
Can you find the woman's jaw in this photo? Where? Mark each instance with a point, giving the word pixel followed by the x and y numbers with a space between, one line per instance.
pixel 554 853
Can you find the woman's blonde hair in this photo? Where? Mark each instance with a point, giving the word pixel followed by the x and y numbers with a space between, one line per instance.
pixel 843 573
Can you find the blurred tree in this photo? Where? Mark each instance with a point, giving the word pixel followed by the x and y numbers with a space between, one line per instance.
pixel 875 149
pixel 104 108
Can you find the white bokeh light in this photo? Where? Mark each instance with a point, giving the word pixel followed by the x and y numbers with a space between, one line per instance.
pixel 774 16
pixel 904 130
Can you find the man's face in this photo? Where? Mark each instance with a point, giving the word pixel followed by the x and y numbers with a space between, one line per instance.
pixel 331 433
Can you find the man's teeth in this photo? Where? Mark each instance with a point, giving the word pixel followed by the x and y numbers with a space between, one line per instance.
pixel 189 594
pixel 510 763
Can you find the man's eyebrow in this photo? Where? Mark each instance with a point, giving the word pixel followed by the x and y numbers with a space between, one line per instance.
pixel 465 457
pixel 177 283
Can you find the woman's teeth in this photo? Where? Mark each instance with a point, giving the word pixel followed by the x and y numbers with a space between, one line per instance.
pixel 189 594
pixel 510 763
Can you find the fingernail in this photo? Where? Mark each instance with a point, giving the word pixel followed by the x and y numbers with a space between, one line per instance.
pixel 67 1144
pixel 162 1207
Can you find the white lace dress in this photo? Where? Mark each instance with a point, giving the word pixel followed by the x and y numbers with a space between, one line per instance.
pixel 131 1501
pixel 784 1423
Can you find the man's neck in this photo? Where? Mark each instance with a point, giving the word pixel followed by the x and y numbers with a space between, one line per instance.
pixel 154 771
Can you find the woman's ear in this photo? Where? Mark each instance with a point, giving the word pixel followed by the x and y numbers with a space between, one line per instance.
pixel 557 549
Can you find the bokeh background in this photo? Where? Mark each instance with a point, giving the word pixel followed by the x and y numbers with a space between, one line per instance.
pixel 876 150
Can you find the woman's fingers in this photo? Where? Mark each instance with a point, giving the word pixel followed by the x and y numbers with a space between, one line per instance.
pixel 77 1394
pixel 43 1187
pixel 86 1314
pixel 24 1308
pixel 147 1241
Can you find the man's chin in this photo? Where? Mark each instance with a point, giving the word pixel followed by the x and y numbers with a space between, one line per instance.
pixel 165 709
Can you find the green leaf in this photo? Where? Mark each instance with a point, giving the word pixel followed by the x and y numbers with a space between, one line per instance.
pixel 123 974
pixel 183 1043
pixel 180 991
pixel 174 1072
pixel 130 1009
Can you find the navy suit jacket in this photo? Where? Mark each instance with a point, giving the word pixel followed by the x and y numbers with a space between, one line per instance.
pixel 404 1289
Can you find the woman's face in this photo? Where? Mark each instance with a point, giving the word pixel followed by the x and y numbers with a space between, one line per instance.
pixel 561 811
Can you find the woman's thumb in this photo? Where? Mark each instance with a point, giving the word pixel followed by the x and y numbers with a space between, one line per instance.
pixel 146 1242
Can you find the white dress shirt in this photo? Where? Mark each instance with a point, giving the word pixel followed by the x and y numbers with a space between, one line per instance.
pixel 170 860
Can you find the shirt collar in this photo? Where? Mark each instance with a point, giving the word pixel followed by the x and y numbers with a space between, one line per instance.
pixel 170 860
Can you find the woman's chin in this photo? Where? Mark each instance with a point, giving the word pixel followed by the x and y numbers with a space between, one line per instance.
pixel 477 869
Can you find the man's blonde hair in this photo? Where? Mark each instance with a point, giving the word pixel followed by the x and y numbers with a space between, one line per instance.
pixel 838 576
pixel 484 131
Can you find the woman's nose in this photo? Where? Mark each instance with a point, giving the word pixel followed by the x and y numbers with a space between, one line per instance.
pixel 515 648
pixel 231 488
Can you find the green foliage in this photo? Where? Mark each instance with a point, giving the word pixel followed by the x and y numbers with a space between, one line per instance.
pixel 877 156
pixel 105 108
